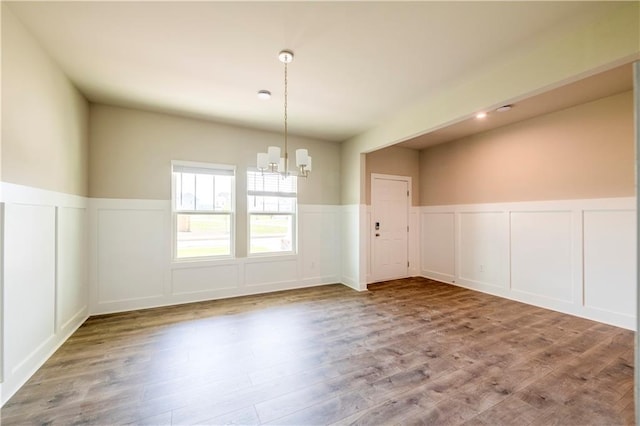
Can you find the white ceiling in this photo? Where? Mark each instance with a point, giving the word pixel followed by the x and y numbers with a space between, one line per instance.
pixel 356 62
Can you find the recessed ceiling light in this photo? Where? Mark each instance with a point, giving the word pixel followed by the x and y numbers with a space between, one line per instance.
pixel 264 95
pixel 481 115
pixel 504 108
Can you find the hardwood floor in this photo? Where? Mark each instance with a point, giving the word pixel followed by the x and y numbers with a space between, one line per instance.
pixel 408 351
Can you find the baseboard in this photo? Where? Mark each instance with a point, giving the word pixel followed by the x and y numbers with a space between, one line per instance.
pixel 606 317
pixel 22 373
pixel 204 296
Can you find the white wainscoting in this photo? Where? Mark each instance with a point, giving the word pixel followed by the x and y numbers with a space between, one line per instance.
pixel 44 277
pixel 483 246
pixel 541 254
pixel 354 244
pixel 132 255
pixel 437 236
pixel 131 266
pixel 414 241
pixel 350 243
pixel 609 249
pixel 574 256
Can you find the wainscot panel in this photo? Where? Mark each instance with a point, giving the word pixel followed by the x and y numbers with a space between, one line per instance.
pixel 271 270
pixel 132 266
pixel 44 282
pixel 319 241
pixel 573 256
pixel 609 261
pixel 541 254
pixel 72 291
pixel 354 226
pixel 29 283
pixel 438 245
pixel 481 248
pixel 204 279
pixel 132 254
pixel 414 241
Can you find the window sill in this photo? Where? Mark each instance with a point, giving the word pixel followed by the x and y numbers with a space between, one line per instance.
pixel 253 258
pixel 291 254
pixel 188 262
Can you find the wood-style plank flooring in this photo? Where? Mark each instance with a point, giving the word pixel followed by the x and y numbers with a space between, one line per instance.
pixel 409 351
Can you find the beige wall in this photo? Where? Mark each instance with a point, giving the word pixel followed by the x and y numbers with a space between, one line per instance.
pixel 352 165
pixel 567 52
pixel 44 117
pixel 395 160
pixel 582 152
pixel 131 153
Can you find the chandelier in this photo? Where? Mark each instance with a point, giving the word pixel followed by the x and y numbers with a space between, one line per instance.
pixel 271 161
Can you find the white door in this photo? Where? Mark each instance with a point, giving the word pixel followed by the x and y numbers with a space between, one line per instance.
pixel 389 226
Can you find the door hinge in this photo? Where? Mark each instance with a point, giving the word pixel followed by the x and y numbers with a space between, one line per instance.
pixel 407 229
pixel 407 192
pixel 407 264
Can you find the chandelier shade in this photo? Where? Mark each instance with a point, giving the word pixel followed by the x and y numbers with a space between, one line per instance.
pixel 263 161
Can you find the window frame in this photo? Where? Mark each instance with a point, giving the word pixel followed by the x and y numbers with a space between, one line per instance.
pixel 294 218
pixel 175 212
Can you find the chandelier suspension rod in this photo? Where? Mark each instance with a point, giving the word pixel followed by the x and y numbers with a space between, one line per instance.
pixel 286 152
pixel 272 161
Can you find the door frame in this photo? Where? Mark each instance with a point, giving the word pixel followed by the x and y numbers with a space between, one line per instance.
pixel 371 252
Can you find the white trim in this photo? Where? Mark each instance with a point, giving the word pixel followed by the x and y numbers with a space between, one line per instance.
pixel 606 204
pixel 21 194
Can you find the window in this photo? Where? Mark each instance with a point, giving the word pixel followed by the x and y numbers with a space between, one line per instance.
pixel 271 204
pixel 203 206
